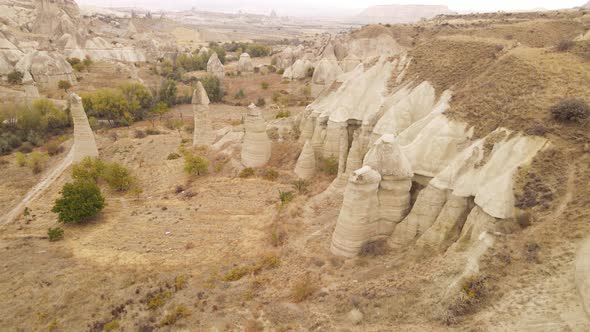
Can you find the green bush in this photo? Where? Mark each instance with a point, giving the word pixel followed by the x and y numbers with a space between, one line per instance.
pixel 36 161
pixel 64 85
pixel 168 92
pixel 213 87
pixel 264 85
pixel 286 197
pixel 195 164
pixel 20 159
pixel 570 110
pixel 55 234
pixel 54 148
pixel 15 77
pixel 173 156
pixel 283 114
pixel 118 177
pixel 80 201
pixel 256 51
pixel 89 169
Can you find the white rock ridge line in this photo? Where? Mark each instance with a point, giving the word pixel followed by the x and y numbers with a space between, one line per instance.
pixel 84 145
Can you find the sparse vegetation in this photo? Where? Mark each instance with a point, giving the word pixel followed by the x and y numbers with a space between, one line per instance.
pixel 260 102
pixel 270 174
pixel 64 85
pixel 283 114
pixel 173 156
pixel 80 201
pixel 240 94
pixel 179 312
pixel 55 234
pixel 157 300
pixel 112 325
pixel 302 289
pixel 301 186
pixel 329 165
pixel 264 85
pixel 247 172
pixel 570 110
pixel 286 197
pixel 374 248
pixel 564 45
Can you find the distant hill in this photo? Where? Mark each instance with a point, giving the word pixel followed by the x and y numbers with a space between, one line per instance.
pixel 401 13
pixel 587 5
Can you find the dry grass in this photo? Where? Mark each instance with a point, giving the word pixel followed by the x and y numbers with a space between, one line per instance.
pixel 446 63
pixel 302 289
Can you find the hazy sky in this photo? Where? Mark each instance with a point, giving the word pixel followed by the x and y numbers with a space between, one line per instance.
pixel 337 7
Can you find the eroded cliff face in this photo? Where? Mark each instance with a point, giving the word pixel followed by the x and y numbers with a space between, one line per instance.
pixel 391 140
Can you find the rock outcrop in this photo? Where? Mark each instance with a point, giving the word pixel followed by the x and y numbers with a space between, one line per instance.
pixel 46 68
pixel 468 184
pixel 245 63
pixel 358 217
pixel 215 67
pixel 203 132
pixel 306 163
pixel 376 198
pixel 256 147
pixel 10 54
pixel 326 72
pixel 31 91
pixel 299 70
pixel 84 142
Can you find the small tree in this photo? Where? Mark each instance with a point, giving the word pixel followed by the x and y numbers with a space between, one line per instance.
pixel 15 77
pixel 213 87
pixel 87 62
pixel 65 85
pixel 158 111
pixel 195 164
pixel 80 201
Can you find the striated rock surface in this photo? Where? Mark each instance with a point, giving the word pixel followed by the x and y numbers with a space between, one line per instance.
pixel 215 67
pixel 428 205
pixel 203 132
pixel 256 147
pixel 326 72
pixel 582 273
pixel 46 68
pixel 357 220
pixel 84 142
pixel 306 163
pixel 245 63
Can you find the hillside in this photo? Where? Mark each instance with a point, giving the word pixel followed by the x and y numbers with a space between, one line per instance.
pixel 401 13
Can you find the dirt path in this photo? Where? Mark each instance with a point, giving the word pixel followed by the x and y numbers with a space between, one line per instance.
pixel 39 188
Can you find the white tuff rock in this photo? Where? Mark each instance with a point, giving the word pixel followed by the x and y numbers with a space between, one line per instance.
pixel 256 147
